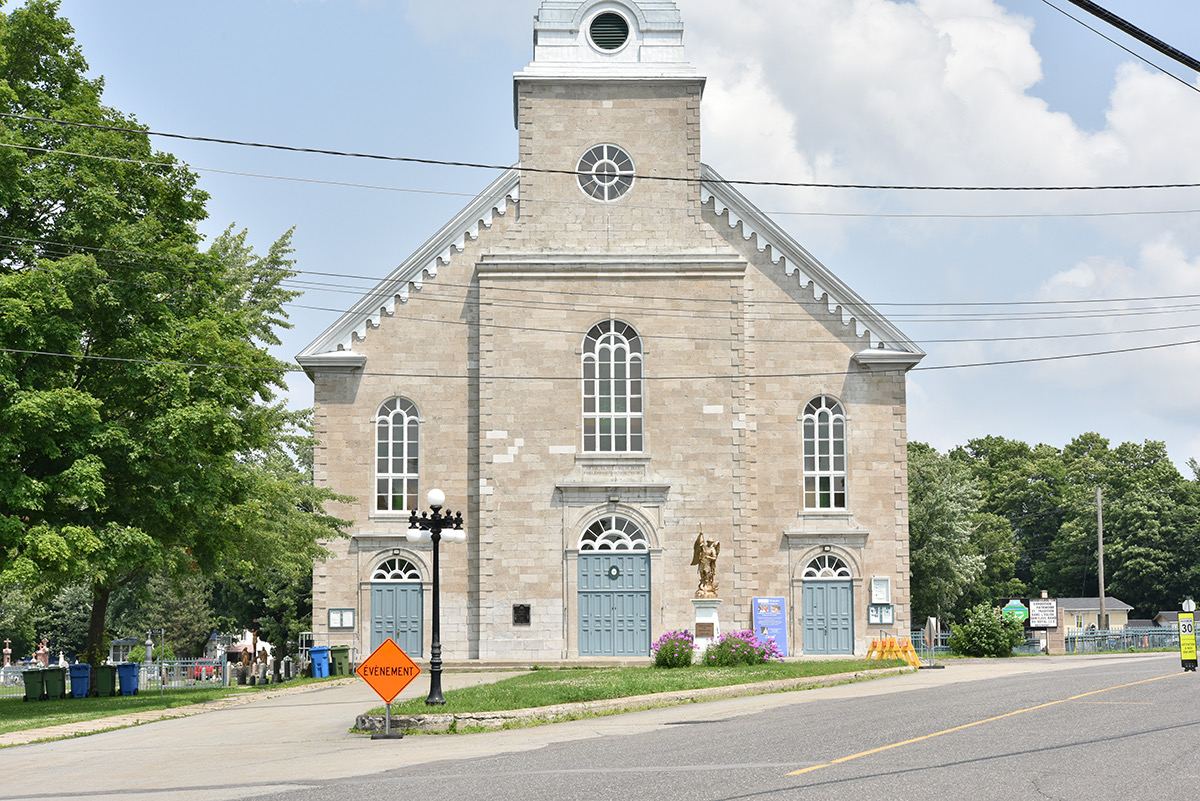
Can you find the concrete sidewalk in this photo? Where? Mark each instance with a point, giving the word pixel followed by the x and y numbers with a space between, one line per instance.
pixel 298 740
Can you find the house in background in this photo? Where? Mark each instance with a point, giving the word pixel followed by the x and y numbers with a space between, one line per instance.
pixel 607 352
pixel 1083 614
pixel 1167 619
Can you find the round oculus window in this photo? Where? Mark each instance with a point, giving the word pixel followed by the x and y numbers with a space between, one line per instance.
pixel 605 172
pixel 609 31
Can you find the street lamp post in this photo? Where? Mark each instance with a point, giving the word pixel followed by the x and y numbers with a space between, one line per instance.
pixel 430 529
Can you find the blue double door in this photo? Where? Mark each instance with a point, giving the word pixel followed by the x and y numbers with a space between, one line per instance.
pixel 614 604
pixel 397 612
pixel 827 617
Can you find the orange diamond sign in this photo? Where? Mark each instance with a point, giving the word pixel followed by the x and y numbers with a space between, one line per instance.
pixel 388 670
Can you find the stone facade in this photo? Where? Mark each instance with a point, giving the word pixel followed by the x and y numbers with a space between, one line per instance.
pixel 483 330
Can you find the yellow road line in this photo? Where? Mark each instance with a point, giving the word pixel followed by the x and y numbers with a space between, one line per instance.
pixel 978 723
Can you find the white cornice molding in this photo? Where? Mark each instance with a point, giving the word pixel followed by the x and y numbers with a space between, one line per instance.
pixel 338 361
pixel 826 287
pixel 381 301
pixel 888 359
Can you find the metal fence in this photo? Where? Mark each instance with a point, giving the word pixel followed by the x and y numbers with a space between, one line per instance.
pixel 180 674
pixel 1141 639
pixel 157 677
pixel 1077 642
pixel 12 685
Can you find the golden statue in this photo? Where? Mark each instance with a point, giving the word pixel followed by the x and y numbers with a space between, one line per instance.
pixel 704 554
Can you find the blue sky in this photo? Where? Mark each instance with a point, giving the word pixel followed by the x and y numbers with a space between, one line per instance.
pixel 962 92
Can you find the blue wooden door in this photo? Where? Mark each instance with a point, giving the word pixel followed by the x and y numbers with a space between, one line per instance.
pixel 827 617
pixel 396 612
pixel 614 604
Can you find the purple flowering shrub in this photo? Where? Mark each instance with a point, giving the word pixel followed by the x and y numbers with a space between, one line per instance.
pixel 674 649
pixel 741 648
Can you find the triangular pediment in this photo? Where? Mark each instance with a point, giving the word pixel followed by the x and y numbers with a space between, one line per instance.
pixel 888 347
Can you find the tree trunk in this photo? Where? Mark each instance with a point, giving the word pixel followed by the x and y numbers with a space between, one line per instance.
pixel 96 648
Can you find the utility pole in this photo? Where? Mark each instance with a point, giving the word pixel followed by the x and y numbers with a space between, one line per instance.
pixel 1100 542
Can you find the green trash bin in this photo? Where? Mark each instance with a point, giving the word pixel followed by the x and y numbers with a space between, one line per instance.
pixel 56 683
pixel 339 657
pixel 105 685
pixel 35 684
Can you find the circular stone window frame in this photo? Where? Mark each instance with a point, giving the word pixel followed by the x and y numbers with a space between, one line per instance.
pixel 629 28
pixel 585 176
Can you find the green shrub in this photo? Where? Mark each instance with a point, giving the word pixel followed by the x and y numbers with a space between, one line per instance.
pixel 986 633
pixel 674 649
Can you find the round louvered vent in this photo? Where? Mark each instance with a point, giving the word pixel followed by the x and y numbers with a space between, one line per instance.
pixel 609 31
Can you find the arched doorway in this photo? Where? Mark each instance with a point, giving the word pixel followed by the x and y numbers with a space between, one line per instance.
pixel 397 605
pixel 827 607
pixel 614 589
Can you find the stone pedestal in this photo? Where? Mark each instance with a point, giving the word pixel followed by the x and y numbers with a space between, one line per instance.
pixel 708 625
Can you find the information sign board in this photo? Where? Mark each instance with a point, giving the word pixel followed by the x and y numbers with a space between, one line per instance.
pixel 1043 613
pixel 1015 610
pixel 770 621
pixel 388 670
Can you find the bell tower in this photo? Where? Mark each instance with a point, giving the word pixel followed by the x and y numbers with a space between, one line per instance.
pixel 608 115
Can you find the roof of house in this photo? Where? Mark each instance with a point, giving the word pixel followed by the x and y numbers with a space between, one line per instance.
pixel 1169 617
pixel 1111 604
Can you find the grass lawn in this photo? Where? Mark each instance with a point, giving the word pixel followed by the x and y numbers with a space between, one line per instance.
pixel 18 715
pixel 570 685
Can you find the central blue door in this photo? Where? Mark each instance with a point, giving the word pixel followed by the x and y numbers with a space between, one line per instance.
pixel 614 604
pixel 396 612
pixel 827 617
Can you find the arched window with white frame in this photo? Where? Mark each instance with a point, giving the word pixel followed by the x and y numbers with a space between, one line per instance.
pixel 614 533
pixel 828 567
pixel 396 569
pixel 397 456
pixel 824 454
pixel 613 389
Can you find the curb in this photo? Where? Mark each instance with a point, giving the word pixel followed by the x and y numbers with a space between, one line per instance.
pixel 447 723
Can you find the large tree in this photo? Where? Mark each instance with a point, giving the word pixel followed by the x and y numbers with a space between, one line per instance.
pixel 137 394
pixel 943 503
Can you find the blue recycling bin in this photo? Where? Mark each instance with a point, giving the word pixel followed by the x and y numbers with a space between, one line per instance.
pixel 127 675
pixel 320 661
pixel 81 680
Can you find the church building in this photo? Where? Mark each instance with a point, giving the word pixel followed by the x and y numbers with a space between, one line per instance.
pixel 609 351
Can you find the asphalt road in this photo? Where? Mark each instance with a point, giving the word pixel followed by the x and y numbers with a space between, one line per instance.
pixel 1099 728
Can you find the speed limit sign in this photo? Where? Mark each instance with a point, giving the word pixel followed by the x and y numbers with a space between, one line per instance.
pixel 1187 640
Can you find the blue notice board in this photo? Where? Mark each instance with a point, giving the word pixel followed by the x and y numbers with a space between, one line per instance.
pixel 770 621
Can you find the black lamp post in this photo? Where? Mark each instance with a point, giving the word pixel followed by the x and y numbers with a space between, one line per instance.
pixel 429 529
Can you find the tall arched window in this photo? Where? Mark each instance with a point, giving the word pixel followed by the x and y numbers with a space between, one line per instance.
pixel 612 389
pixel 824 454
pixel 397 430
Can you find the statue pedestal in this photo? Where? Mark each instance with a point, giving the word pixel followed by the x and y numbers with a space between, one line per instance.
pixel 708 625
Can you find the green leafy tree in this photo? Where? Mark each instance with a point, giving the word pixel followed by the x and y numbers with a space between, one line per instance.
pixel 137 395
pixel 943 502
pixel 270 588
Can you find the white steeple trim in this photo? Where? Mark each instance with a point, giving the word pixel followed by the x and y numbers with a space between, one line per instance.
pixel 562 47
pixel 882 335
pixel 412 274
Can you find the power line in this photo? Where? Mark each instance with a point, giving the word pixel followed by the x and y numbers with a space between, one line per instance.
pixel 551 171
pixel 435 293
pixel 1139 34
pixel 1118 44
pixel 822 214
pixel 746 376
